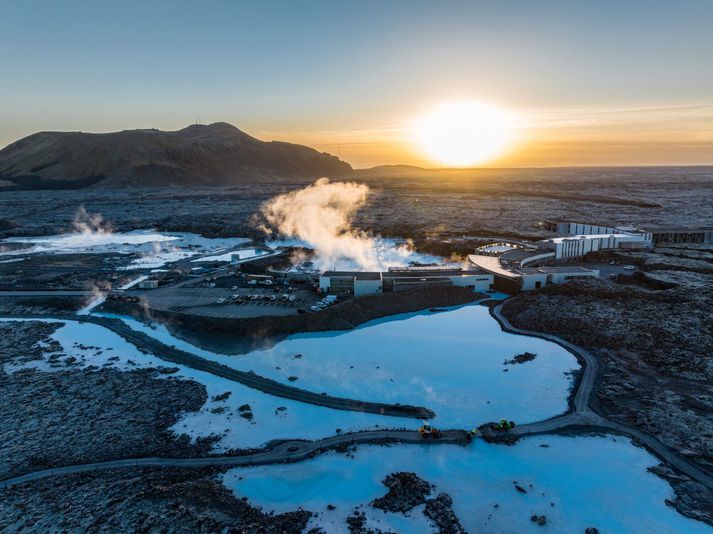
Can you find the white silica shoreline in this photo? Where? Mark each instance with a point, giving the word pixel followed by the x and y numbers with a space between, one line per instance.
pixel 272 417
pixel 154 249
pixel 449 361
pixel 597 481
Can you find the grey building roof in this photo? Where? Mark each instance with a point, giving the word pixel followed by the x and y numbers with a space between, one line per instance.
pixel 571 269
pixel 359 275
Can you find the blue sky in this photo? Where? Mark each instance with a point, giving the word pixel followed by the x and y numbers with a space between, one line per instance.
pixel 346 73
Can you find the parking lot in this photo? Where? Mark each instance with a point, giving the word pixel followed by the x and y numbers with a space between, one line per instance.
pixel 608 271
pixel 229 302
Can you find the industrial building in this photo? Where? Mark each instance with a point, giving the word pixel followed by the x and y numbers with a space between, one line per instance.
pixel 650 234
pixel 681 235
pixel 398 279
pixel 350 283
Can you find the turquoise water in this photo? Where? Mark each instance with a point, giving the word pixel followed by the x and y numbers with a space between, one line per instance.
pixel 576 482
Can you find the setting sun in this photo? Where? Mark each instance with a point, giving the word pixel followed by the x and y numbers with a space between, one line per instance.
pixel 460 134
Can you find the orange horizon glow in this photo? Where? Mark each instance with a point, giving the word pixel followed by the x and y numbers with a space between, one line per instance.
pixel 657 135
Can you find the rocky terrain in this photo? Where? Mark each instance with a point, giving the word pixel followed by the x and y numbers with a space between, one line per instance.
pixel 443 205
pixel 44 272
pixel 655 346
pixel 40 305
pixel 73 415
pixel 652 333
pixel 406 491
pixel 217 154
pixel 146 500
pixel 191 500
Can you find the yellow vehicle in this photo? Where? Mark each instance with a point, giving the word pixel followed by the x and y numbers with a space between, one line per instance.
pixel 503 426
pixel 427 431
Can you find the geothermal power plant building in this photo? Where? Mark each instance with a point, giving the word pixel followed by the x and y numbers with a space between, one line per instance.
pixel 395 280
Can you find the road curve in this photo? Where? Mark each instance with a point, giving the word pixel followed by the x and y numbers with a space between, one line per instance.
pixel 247 378
pixel 581 416
pixel 590 365
pixel 282 452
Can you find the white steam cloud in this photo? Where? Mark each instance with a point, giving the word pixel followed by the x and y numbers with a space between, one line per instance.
pixel 90 224
pixel 320 216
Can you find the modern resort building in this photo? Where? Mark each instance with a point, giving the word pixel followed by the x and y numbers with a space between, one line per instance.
pixel 398 279
pixel 521 267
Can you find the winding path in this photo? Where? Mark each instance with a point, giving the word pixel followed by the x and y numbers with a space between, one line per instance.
pixel 581 415
pixel 579 418
pixel 281 452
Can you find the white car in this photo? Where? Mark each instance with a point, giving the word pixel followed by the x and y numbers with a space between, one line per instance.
pixel 220 300
pixel 629 268
pixel 315 308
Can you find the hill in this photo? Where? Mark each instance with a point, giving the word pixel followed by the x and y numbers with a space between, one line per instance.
pixel 214 155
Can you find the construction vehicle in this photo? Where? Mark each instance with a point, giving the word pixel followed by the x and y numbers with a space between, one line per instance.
pixel 503 426
pixel 427 431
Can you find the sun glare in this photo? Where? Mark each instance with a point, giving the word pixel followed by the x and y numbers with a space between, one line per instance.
pixel 460 134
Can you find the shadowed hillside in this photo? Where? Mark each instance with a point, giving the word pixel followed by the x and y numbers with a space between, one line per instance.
pixel 215 154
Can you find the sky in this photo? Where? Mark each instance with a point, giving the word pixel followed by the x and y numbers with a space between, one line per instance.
pixel 585 82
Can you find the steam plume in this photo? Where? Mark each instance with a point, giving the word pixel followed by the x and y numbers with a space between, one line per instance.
pixel 90 224
pixel 321 215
